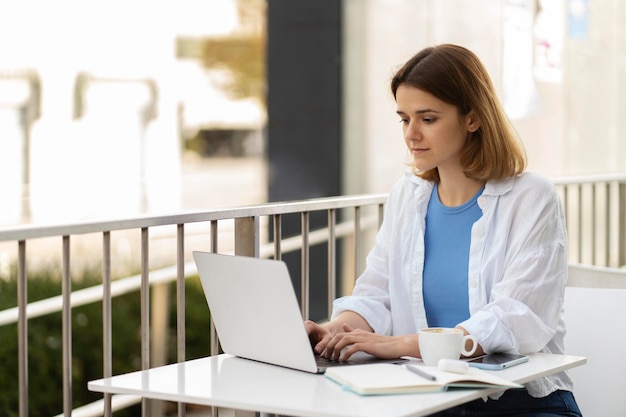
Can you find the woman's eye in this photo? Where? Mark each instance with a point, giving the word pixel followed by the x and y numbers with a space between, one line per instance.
pixel 404 121
pixel 428 119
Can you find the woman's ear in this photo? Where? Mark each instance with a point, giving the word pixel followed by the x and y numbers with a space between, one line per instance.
pixel 472 122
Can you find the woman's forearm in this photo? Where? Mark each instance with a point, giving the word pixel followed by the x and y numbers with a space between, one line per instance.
pixel 351 318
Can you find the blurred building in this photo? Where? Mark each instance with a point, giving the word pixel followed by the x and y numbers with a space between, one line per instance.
pixel 94 100
pixel 97 102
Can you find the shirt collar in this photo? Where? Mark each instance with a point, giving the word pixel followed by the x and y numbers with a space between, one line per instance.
pixel 499 187
pixel 493 187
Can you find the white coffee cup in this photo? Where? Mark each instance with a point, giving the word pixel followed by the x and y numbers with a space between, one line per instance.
pixel 444 343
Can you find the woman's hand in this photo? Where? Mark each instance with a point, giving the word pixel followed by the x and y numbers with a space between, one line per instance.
pixel 319 335
pixel 344 344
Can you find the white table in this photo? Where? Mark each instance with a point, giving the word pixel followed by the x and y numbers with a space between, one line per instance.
pixel 240 384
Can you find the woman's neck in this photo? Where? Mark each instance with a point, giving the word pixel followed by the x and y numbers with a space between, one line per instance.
pixel 457 190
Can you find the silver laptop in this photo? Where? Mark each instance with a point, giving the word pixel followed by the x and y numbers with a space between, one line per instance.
pixel 256 312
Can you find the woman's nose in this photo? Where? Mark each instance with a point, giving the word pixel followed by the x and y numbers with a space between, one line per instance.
pixel 411 132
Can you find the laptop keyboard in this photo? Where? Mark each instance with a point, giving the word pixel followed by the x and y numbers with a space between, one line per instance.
pixel 326 362
pixel 359 360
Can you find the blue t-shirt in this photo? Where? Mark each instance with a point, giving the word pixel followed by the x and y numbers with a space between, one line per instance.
pixel 447 240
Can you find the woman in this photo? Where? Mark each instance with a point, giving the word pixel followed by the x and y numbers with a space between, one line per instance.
pixel 469 240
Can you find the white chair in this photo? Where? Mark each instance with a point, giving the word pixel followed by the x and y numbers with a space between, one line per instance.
pixel 595 314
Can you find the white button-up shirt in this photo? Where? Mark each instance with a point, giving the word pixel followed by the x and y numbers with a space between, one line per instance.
pixel 516 274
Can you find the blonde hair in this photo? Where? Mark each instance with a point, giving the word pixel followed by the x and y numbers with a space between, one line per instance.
pixel 456 76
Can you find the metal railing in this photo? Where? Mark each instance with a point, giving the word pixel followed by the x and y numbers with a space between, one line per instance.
pixel 247 240
pixel 595 208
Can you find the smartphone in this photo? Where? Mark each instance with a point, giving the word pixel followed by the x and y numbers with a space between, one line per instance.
pixel 495 361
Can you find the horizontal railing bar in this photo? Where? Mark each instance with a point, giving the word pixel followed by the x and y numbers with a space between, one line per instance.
pixel 168 274
pixel 318 236
pixel 588 179
pixel 89 295
pixel 586 276
pixel 94 409
pixel 25 232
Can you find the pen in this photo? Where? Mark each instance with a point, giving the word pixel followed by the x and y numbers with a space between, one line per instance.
pixel 420 372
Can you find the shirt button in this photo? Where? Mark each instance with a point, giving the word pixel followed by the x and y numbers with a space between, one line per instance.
pixel 479 231
pixel 473 283
pixel 482 201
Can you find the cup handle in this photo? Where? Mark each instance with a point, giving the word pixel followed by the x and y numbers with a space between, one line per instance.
pixel 464 350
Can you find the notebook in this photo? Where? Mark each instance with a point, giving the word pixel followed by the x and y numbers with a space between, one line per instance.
pixel 382 379
pixel 256 313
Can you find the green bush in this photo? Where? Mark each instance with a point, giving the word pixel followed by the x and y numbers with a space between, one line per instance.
pixel 45 361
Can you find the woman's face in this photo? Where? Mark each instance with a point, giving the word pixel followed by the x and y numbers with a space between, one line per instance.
pixel 434 131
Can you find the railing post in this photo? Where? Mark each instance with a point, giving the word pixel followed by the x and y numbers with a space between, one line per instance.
pixel 145 314
pixel 621 226
pixel 246 244
pixel 22 329
pixel 247 236
pixel 214 347
pixel 332 260
pixel 594 231
pixel 159 318
pixel 607 224
pixel 357 242
pixel 579 222
pixel 66 291
pixel 278 235
pixel 107 321
pixel 304 265
pixel 180 302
